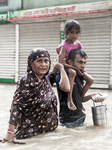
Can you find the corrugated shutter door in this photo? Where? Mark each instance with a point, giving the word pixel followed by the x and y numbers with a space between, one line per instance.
pixel 34 35
pixel 96 39
pixel 7 53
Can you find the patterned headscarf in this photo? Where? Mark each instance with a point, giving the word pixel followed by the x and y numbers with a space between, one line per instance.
pixel 35 54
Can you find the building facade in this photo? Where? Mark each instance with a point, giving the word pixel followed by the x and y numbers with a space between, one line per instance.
pixel 33 24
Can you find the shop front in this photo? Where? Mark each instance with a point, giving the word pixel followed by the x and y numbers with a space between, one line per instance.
pixel 7 49
pixel 44 28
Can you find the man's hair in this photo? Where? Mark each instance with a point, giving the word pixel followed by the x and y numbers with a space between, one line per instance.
pixel 74 52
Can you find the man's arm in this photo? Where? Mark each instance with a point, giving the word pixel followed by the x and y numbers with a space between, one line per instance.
pixel 90 97
pixel 64 83
pixel 89 81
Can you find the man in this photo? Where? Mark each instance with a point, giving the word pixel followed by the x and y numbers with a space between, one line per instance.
pixel 72 118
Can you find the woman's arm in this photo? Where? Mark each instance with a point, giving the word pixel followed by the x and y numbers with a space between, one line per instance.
pixel 12 122
pixel 10 134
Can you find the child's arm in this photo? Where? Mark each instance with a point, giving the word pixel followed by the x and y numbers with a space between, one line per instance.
pixel 62 53
pixel 89 81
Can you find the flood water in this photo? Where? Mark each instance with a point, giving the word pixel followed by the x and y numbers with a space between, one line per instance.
pixel 88 137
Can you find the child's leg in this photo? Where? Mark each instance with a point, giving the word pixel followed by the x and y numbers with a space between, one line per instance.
pixel 72 75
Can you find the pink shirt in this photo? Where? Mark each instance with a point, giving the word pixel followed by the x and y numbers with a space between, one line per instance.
pixel 69 47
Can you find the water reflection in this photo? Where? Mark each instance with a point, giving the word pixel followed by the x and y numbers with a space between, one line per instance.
pixel 88 137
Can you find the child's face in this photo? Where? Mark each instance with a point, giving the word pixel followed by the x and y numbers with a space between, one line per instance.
pixel 73 34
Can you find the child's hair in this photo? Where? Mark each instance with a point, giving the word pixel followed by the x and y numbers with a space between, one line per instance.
pixel 71 24
pixel 74 52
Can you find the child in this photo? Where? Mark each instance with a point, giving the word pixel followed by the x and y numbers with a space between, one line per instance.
pixel 72 31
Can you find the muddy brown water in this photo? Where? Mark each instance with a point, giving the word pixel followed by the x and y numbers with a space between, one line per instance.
pixel 88 137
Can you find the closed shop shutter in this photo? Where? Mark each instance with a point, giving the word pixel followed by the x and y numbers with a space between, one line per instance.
pixel 7 53
pixel 96 41
pixel 46 35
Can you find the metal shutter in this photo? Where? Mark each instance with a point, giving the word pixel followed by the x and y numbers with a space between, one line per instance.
pixel 7 53
pixel 96 41
pixel 46 35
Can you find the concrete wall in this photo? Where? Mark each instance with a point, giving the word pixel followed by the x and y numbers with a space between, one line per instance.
pixel 30 4
pixel 111 58
pixel 12 5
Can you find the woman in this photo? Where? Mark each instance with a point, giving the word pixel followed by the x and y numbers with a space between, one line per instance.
pixel 34 105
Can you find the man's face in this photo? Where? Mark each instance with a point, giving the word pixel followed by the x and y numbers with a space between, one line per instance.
pixel 79 62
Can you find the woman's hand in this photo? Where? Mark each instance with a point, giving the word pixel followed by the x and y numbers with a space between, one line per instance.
pixel 9 137
pixel 10 134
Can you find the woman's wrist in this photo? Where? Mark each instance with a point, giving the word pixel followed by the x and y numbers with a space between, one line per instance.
pixel 11 128
pixel 12 132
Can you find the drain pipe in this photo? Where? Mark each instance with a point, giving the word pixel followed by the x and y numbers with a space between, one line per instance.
pixel 110 86
pixel 21 4
pixel 62 31
pixel 17 53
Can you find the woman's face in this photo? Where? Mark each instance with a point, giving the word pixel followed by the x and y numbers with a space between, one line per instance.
pixel 40 66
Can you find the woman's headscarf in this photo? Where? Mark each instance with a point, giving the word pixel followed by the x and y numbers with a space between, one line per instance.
pixel 28 83
pixel 35 54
